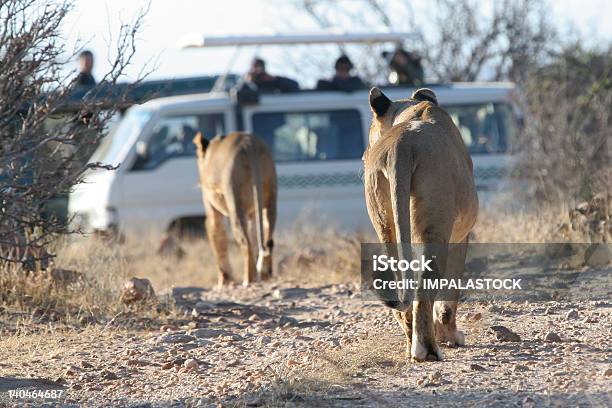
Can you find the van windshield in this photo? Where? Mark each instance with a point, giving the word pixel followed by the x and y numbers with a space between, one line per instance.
pixel 112 146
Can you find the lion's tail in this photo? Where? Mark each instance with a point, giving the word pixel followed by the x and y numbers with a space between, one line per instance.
pixel 399 172
pixel 257 181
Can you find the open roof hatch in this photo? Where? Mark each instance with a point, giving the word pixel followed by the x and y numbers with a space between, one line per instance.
pixel 332 37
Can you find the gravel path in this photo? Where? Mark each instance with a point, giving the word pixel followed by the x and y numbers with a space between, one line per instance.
pixel 321 346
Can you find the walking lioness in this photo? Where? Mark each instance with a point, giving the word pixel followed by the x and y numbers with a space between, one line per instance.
pixel 419 188
pixel 238 180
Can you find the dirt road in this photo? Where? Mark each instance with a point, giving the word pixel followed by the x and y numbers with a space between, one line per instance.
pixel 319 346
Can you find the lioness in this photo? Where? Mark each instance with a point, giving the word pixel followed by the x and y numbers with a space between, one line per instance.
pixel 419 188
pixel 238 180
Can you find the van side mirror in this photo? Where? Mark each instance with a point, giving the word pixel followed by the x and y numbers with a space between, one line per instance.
pixel 142 150
pixel 142 155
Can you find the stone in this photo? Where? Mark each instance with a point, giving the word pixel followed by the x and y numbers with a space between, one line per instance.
pixel 290 293
pixel 572 314
pixel 435 376
pixel 287 321
pixel 178 361
pixel 204 333
pixel 191 364
pixel 263 340
pixel 85 364
pixel 504 334
pixel 292 363
pixel 137 363
pixel 477 367
pixel 520 368
pixel 71 370
pixel 552 337
pixel 176 338
pixel 136 290
pixel 108 375
pixel 528 402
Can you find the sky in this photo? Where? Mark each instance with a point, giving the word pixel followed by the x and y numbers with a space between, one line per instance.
pixel 91 23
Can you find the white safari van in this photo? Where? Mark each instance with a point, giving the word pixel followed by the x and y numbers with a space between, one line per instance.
pixel 317 139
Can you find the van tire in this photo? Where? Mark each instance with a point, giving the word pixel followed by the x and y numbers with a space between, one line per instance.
pixel 188 227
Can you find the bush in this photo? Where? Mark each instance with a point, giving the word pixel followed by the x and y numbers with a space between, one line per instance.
pixel 565 145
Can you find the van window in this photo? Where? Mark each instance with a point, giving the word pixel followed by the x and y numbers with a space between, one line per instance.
pixel 172 137
pixel 300 136
pixel 485 128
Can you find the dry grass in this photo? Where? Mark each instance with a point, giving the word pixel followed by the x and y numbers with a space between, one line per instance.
pixel 317 255
pixel 539 225
pixel 44 350
pixel 340 365
pixel 305 256
pixel 333 370
pixel 113 262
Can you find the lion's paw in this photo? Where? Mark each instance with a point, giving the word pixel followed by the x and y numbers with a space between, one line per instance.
pixel 420 352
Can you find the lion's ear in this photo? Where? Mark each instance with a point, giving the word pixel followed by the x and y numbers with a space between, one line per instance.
pixel 425 94
pixel 379 102
pixel 200 141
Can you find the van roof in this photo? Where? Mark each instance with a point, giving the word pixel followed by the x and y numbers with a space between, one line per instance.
pixel 452 93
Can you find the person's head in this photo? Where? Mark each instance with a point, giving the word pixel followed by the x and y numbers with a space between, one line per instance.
pixel 86 61
pixel 400 58
pixel 343 66
pixel 258 67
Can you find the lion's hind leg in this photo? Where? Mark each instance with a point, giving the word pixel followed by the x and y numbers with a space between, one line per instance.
pixel 269 221
pixel 405 321
pixel 239 220
pixel 217 236
pixel 424 345
pixel 445 307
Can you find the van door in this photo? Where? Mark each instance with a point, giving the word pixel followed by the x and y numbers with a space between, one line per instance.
pixel 318 159
pixel 163 185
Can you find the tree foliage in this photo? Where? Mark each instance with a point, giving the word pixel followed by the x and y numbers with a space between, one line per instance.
pixel 460 40
pixel 45 138
pixel 565 146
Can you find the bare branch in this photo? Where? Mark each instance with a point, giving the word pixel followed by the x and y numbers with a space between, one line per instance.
pixel 47 132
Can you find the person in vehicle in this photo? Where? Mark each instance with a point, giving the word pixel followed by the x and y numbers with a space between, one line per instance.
pixel 265 82
pixel 405 66
pixel 85 78
pixel 342 80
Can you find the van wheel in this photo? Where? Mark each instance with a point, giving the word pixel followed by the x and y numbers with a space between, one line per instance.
pixel 188 228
